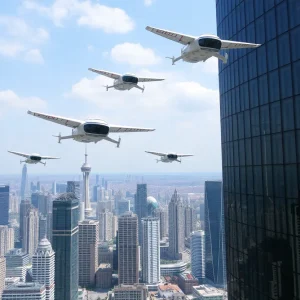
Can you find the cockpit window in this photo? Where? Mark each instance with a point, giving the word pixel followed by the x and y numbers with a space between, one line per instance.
pixel 210 43
pixel 172 156
pixel 96 129
pixel 130 79
pixel 36 158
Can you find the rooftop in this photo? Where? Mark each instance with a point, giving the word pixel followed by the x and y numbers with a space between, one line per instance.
pixel 29 286
pixel 105 266
pixel 169 288
pixel 187 276
pixel 206 290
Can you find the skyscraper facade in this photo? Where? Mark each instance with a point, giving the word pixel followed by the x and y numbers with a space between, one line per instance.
pixel 65 245
pixel 214 234
pixel 141 206
pixel 128 249
pixel 24 291
pixel 259 105
pixel 198 255
pixel 162 214
pixel 88 252
pixel 24 207
pixel 86 170
pixel 24 185
pixel 7 239
pixel 150 248
pixel 176 227
pixel 105 225
pixel 190 220
pixel 4 204
pixel 43 267
pixel 2 274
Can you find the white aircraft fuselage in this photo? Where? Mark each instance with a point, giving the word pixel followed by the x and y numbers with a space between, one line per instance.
pixel 126 82
pixel 169 158
pixel 34 158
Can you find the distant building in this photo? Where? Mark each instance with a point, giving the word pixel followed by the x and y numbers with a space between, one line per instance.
pixel 41 202
pixel 128 249
pixel 43 267
pixel 61 188
pixel 25 291
pixel 104 276
pixel 88 252
pixel 105 225
pixel 198 255
pixel 215 264
pixel 43 227
pixel 162 214
pixel 123 206
pixel 176 227
pixel 16 263
pixel 190 219
pixel 170 291
pixel 207 292
pixel 173 268
pixel 65 245
pixel 186 281
pixel 4 204
pixel 7 239
pixel 2 274
pixel 105 254
pixel 86 170
pixel 24 183
pixel 25 205
pixel 150 250
pixel 141 205
pixel 131 292
pixel 11 280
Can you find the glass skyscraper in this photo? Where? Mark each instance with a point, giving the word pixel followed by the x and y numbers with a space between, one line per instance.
pixel 215 265
pixel 260 122
pixel 65 245
pixel 4 204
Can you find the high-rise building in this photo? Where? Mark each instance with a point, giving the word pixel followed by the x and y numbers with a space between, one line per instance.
pixel 73 187
pixel 43 267
pixel 150 248
pixel 215 263
pixel 16 263
pixel 43 227
pixel 2 274
pixel 176 227
pixel 54 187
pixel 41 202
pixel 162 214
pixel 14 203
pixel 141 206
pixel 24 185
pixel 128 249
pixel 190 220
pixel 259 104
pixel 123 206
pixel 31 231
pixel 198 255
pixel 105 254
pixel 7 239
pixel 65 245
pixel 131 292
pixel 24 207
pixel 4 204
pixel 86 170
pixel 61 188
pixel 88 252
pixel 105 225
pixel 25 291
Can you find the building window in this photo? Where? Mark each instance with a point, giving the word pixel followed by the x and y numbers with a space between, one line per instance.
pixel 272 55
pixel 288 114
pixel 273 86
pixel 282 17
pixel 295 41
pixel 286 82
pixel 270 24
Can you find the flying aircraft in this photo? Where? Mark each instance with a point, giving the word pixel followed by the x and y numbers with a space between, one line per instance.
pixel 168 157
pixel 89 131
pixel 33 158
pixel 124 82
pixel 201 48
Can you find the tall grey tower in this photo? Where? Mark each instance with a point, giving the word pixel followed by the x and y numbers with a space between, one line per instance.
pixel 86 169
pixel 24 182
pixel 141 205
pixel 176 227
pixel 4 204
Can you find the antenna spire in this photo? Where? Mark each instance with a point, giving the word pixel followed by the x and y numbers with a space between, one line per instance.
pixel 86 154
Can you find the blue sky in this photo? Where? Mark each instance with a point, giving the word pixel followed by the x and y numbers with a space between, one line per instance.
pixel 46 48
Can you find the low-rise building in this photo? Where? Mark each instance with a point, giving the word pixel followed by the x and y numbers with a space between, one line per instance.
pixel 103 276
pixel 186 281
pixel 25 291
pixel 131 292
pixel 11 280
pixel 16 263
pixel 169 291
pixel 172 268
pixel 207 292
pixel 105 254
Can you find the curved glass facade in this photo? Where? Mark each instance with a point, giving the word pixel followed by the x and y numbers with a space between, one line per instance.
pixel 260 123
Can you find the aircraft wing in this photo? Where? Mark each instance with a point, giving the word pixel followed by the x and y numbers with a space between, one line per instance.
pixel 237 45
pixel 49 157
pixel 174 36
pixel 105 73
pixel 19 153
pixel 184 155
pixel 117 128
pixel 56 119
pixel 144 79
pixel 156 153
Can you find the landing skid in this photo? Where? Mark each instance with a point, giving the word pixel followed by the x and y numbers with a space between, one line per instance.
pixel 174 60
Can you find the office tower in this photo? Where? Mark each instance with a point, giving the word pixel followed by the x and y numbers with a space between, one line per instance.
pixel 38 186
pixel 97 179
pixel 16 263
pixel 14 203
pixel 73 187
pixel 150 256
pixel 105 225
pixel 198 255
pixel 88 252
pixel 39 201
pixel 140 205
pixel 2 274
pixel 24 207
pixel 128 248
pixel 14 225
pixel 49 226
pixel 131 292
pixel 95 193
pixel 25 291
pixel 54 187
pixel 123 206
pixel 162 214
pixel 105 254
pixel 24 183
pixel 43 227
pixel 259 107
pixel 43 267
pixel 31 231
pixel 86 169
pixel 176 227
pixel 214 234
pixel 7 239
pixel 103 276
pixel 65 245
pixel 4 204
pixel 61 188
pixel 101 194
pixel 190 219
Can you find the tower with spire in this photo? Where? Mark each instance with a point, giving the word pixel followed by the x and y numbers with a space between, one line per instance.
pixel 86 169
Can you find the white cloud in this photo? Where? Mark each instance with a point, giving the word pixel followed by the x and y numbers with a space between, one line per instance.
pixel 134 54
pixel 34 56
pixel 209 67
pixel 148 2
pixel 10 49
pixel 87 13
pixel 90 48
